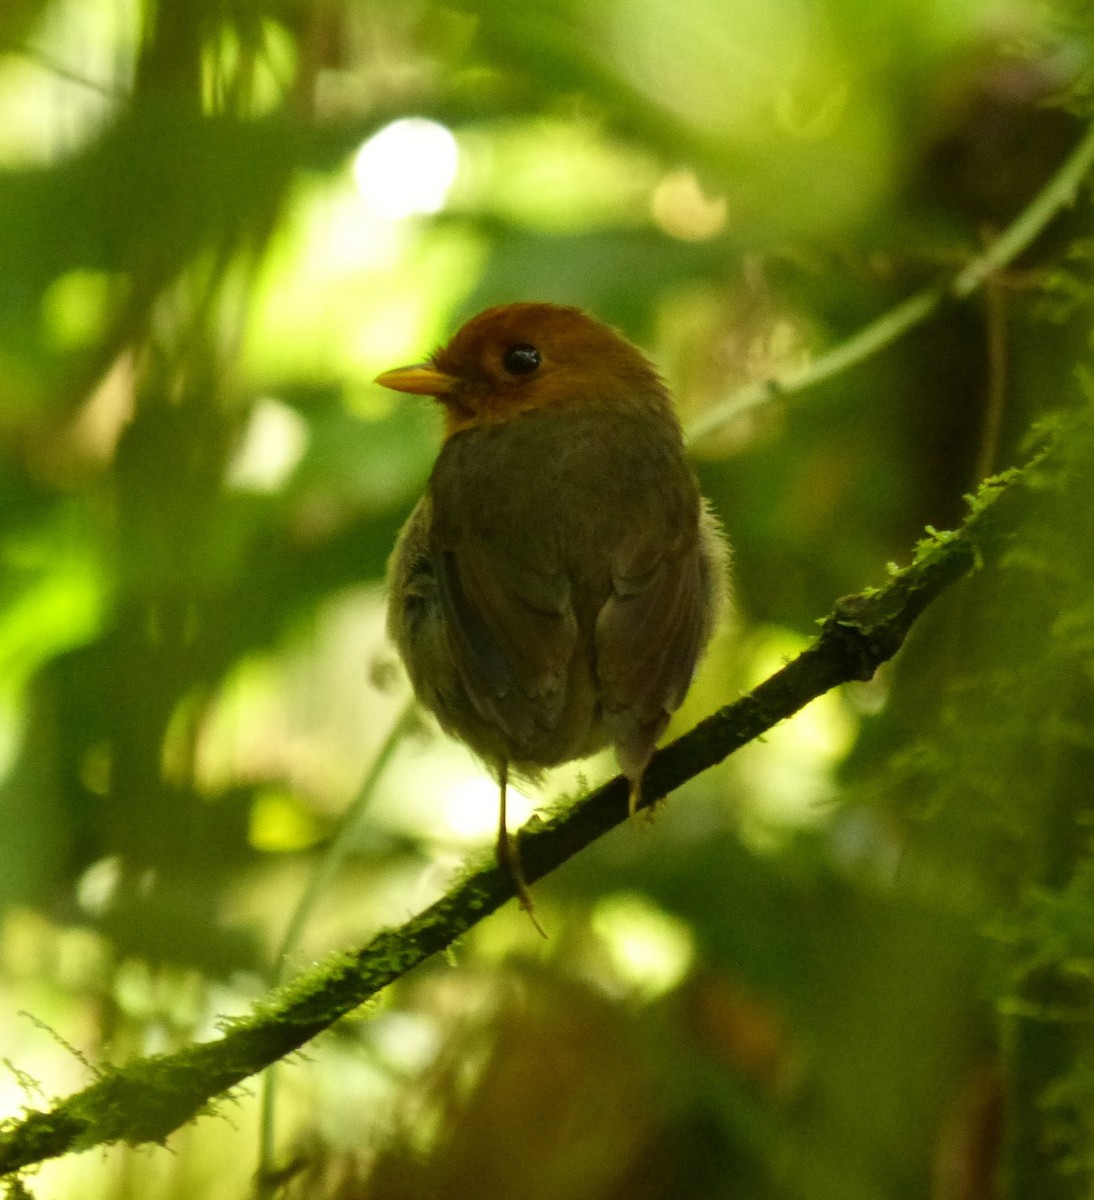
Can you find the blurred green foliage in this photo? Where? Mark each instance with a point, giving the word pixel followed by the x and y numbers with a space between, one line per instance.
pixel 854 961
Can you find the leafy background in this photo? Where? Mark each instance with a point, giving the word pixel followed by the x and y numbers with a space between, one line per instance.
pixel 855 960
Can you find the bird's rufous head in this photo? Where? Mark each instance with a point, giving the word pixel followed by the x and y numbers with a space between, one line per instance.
pixel 519 357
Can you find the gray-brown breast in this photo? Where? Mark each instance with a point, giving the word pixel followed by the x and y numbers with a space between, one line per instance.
pixel 559 588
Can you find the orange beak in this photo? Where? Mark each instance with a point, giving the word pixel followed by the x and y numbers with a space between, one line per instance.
pixel 422 379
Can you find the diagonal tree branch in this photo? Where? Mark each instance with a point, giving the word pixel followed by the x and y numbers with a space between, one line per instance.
pixel 149 1098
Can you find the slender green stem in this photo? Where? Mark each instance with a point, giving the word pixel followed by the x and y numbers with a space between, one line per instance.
pixel 50 64
pixel 1059 192
pixel 337 850
pixel 329 864
pixel 868 341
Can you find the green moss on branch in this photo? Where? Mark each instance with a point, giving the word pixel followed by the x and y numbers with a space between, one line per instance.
pixel 149 1098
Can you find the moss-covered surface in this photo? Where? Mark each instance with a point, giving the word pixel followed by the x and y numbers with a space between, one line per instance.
pixel 149 1098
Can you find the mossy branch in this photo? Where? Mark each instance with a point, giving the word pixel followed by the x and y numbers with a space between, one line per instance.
pixel 149 1098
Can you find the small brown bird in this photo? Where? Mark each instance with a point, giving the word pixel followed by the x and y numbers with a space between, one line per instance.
pixel 555 586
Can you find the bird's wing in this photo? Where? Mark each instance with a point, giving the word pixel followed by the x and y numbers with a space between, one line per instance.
pixel 505 598
pixel 487 635
pixel 513 634
pixel 667 593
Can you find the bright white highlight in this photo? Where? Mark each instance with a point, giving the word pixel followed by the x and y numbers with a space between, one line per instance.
pixel 471 808
pixel 273 444
pixel 408 1042
pixel 407 167
pixel 98 884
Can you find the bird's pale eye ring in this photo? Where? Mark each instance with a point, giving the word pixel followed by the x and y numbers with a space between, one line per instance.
pixel 521 359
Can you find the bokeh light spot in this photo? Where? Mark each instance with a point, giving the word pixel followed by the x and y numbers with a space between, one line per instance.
pixel 273 445
pixel 471 808
pixel 683 210
pixel 407 167
pixel 650 950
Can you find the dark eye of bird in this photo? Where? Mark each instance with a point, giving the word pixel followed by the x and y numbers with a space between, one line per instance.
pixel 520 360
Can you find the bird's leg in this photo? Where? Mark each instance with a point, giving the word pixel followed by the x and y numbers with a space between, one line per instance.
pixel 634 757
pixel 508 853
pixel 634 794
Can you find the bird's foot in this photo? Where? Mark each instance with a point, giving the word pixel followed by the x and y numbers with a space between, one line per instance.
pixel 508 850
pixel 634 799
